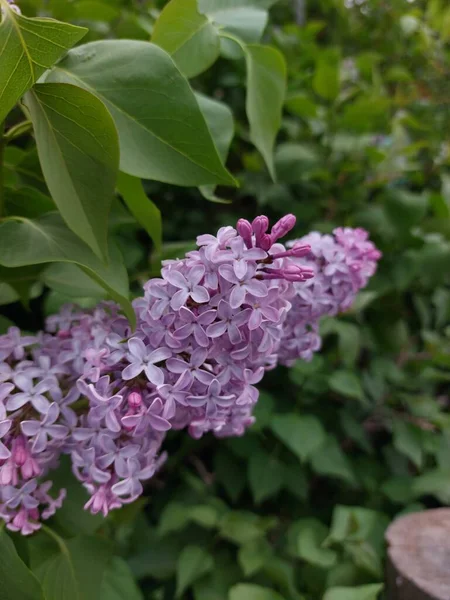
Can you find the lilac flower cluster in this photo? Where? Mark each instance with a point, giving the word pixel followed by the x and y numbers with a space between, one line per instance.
pixel 206 332
pixel 34 423
pixel 342 264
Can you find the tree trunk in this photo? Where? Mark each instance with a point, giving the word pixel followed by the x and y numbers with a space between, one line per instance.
pixel 418 565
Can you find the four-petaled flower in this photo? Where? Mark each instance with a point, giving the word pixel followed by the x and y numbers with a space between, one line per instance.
pixel 41 431
pixel 144 359
pixel 188 287
pixel 241 286
pixel 212 399
pixel 30 394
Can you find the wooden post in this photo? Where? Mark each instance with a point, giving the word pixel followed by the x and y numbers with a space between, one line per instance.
pixel 418 566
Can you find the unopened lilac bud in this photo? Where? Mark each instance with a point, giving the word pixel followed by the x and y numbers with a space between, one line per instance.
pixel 265 242
pixel 260 225
pixel 282 227
pixel 244 229
pixel 297 251
pixel 20 453
pixel 30 468
pixel 135 400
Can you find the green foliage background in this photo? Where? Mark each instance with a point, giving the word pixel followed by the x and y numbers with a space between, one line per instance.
pixel 296 509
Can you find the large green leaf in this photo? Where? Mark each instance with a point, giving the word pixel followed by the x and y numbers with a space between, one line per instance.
pixel 194 562
pixel 189 37
pixel 70 280
pixel 76 571
pixel 163 134
pixel 118 582
pixel 266 89
pixel 221 125
pixel 17 581
pixel 301 434
pixel 79 153
pixel 25 242
pixel 142 208
pixel 27 48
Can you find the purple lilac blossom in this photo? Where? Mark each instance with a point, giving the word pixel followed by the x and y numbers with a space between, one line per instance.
pixel 343 264
pixel 207 330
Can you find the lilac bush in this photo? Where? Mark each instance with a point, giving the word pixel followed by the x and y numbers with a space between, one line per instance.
pixel 207 330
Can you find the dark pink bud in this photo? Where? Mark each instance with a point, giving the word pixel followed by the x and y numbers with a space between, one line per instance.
pixel 135 400
pixel 20 454
pixel 282 227
pixel 265 242
pixel 30 468
pixel 260 226
pixel 298 251
pixel 64 335
pixel 244 229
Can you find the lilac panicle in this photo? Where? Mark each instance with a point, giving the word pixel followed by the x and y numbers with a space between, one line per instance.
pixel 207 330
pixel 342 264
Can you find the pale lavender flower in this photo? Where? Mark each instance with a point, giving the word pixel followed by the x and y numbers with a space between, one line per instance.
pixel 144 359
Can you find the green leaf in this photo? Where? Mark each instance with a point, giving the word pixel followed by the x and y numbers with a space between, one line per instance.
pixel 266 89
pixel 77 570
pixel 28 48
pixel 406 209
pixel 254 555
pixel 408 441
pixel 247 19
pixel 27 202
pixel 25 242
pixel 229 473
pixel 92 10
pixel 293 161
pixel 21 280
pixel 142 208
pixel 364 592
pixel 72 518
pixel 118 582
pixel 301 105
pixel 326 81
pixel 249 591
pixel 163 134
pixel 221 125
pixel 79 153
pixel 193 563
pixel 243 527
pixel 70 280
pixel 301 434
pixel 265 475
pixel 347 384
pixel 331 461
pixel 17 581
pixel 311 534
pixel 189 37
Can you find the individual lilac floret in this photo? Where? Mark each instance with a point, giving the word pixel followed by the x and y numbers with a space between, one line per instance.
pixel 342 264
